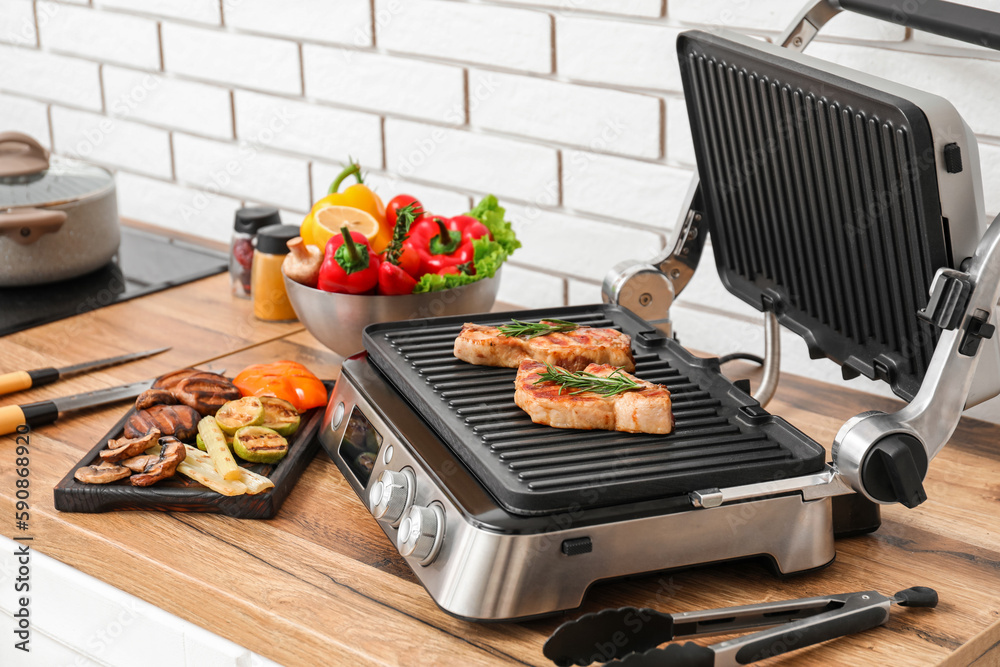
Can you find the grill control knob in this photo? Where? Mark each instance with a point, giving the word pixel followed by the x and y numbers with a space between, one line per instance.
pixel 390 495
pixel 421 532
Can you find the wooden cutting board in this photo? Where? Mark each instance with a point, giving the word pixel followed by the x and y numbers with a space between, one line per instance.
pixel 180 494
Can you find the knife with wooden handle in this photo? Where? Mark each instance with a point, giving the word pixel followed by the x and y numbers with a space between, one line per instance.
pixel 45 412
pixel 21 380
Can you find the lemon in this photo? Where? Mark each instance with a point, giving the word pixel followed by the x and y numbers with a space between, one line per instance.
pixel 330 219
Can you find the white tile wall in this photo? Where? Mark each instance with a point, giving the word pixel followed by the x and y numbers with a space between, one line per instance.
pixel 207 214
pixel 17 22
pixel 385 83
pixel 23 115
pixel 202 11
pixel 586 116
pixel 310 129
pixel 643 192
pixel 111 141
pixel 478 162
pixel 258 63
pixel 618 53
pixel 103 36
pixel 168 101
pixel 246 169
pixel 50 77
pixel 645 8
pixel 343 22
pixel 569 110
pixel 488 35
pixel 592 246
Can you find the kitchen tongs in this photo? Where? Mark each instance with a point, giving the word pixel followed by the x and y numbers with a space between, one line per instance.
pixel 629 636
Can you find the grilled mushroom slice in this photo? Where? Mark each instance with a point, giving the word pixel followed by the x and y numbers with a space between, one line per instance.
pixel 151 397
pixel 101 474
pixel 124 448
pixel 172 452
pixel 206 392
pixel 177 420
pixel 139 463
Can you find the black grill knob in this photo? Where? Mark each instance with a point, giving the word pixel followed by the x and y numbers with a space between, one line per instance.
pixel 894 469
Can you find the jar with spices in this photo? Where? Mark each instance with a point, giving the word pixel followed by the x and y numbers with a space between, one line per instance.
pixel 270 301
pixel 248 222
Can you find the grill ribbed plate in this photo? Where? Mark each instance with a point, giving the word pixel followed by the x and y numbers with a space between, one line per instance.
pixel 722 436
pixel 822 197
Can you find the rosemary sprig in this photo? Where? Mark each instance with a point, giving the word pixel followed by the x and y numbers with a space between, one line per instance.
pixel 616 383
pixel 404 218
pixel 536 329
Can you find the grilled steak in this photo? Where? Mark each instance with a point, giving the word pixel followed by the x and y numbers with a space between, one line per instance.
pixel 645 410
pixel 573 350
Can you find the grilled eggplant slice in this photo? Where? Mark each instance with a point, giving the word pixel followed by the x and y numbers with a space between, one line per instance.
pixel 179 421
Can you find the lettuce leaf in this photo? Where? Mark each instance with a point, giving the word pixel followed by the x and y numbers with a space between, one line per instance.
pixel 488 256
pixel 491 214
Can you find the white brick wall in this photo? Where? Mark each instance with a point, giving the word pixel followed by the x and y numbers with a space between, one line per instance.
pixel 116 38
pixel 385 83
pixel 571 111
pixel 510 38
pixel 17 22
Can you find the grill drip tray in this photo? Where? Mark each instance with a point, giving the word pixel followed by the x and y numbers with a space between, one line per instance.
pixel 722 436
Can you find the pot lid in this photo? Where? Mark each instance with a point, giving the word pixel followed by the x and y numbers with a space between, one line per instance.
pixel 29 179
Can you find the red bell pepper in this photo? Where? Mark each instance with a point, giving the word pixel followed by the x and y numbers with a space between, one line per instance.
pixel 393 279
pixel 349 265
pixel 442 242
pixel 288 380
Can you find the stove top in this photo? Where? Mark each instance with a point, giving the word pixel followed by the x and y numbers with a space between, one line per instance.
pixel 146 263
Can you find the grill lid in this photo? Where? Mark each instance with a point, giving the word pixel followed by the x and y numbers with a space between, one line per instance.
pixel 822 199
pixel 722 436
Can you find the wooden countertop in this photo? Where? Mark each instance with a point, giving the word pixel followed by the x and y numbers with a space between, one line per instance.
pixel 320 583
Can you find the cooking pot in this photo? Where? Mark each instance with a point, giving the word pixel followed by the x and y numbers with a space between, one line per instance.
pixel 58 219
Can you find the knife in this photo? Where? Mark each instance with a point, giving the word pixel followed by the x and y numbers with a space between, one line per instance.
pixel 46 412
pixel 21 380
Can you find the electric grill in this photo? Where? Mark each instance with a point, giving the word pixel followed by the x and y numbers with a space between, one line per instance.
pixel 846 208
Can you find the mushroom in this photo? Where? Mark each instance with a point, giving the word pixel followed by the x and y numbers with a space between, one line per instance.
pixel 124 448
pixel 151 397
pixel 139 463
pixel 101 474
pixel 303 262
pixel 172 453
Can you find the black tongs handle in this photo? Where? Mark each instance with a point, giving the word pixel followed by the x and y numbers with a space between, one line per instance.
pixel 630 635
pixel 860 612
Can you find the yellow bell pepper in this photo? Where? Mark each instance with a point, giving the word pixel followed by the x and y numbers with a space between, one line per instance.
pixel 357 196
